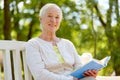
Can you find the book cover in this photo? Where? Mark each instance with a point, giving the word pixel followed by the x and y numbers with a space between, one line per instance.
pixel 93 64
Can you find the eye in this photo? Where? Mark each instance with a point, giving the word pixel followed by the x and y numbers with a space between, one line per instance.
pixel 57 17
pixel 49 16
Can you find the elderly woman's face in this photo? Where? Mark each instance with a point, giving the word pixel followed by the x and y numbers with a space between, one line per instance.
pixel 51 19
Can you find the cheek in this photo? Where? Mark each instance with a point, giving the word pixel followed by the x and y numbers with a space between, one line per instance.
pixel 58 22
pixel 45 21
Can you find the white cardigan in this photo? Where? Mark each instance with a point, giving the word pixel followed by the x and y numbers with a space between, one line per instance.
pixel 44 63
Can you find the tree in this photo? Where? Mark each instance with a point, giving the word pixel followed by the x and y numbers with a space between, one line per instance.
pixel 112 33
pixel 7 21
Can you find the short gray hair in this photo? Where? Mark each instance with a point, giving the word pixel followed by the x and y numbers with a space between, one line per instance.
pixel 45 7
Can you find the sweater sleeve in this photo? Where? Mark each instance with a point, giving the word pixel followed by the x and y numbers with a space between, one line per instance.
pixel 77 57
pixel 37 66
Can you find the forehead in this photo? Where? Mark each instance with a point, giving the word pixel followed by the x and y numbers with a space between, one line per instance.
pixel 53 10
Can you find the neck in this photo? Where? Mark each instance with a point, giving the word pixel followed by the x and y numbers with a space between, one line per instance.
pixel 51 37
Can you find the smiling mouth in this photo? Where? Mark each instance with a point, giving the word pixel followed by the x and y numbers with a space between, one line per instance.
pixel 52 25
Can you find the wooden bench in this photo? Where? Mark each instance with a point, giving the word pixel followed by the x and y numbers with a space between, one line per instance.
pixel 13 64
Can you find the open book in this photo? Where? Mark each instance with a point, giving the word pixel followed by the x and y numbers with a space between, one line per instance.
pixel 93 64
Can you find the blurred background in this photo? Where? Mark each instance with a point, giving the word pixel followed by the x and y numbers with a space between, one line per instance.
pixel 92 25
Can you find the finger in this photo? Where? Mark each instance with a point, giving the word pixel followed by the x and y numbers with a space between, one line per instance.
pixel 95 72
pixel 87 73
pixel 91 73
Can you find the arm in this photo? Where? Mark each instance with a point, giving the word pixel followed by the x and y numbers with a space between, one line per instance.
pixel 78 63
pixel 77 59
pixel 37 66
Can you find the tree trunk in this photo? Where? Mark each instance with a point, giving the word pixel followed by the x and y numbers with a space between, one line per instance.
pixel 94 34
pixel 30 30
pixel 7 24
pixel 117 64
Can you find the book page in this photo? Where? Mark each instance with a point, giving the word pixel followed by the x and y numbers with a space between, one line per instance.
pixel 105 60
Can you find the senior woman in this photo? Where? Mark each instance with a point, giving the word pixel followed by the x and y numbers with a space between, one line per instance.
pixel 50 57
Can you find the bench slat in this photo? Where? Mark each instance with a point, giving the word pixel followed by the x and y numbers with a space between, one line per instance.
pixel 7 65
pixel 17 65
pixel 28 75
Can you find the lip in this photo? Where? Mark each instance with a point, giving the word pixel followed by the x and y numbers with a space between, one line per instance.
pixel 52 25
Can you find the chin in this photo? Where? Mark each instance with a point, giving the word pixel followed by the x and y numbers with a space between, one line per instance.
pixel 51 30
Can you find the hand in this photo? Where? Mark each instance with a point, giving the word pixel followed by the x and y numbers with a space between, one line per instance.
pixel 92 73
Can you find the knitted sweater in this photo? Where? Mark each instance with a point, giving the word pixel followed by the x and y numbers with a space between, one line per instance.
pixel 44 63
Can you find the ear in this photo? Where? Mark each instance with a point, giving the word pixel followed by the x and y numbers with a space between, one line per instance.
pixel 40 18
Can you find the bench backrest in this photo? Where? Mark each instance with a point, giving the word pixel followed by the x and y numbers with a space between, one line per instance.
pixel 12 61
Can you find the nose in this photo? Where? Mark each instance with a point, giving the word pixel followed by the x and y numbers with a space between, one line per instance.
pixel 53 19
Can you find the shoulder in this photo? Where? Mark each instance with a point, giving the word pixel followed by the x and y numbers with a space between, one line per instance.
pixel 32 42
pixel 67 44
pixel 66 41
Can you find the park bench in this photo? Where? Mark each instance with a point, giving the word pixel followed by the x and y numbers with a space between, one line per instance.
pixel 13 64
pixel 12 61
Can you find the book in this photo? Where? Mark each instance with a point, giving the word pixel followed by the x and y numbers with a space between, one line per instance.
pixel 91 65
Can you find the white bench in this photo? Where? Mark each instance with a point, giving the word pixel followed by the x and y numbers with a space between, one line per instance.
pixel 13 61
